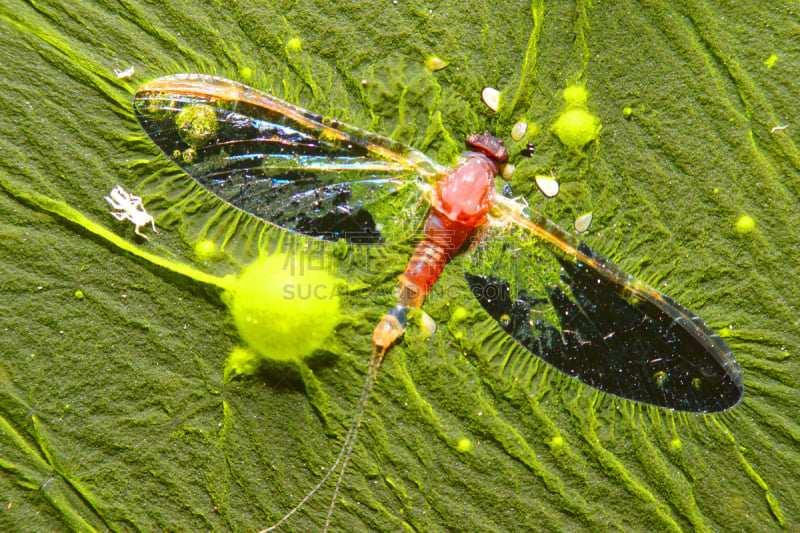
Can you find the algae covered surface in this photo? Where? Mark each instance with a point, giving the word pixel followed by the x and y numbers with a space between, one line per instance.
pixel 115 410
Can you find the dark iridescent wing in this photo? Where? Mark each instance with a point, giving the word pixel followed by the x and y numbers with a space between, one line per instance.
pixel 284 164
pixel 577 311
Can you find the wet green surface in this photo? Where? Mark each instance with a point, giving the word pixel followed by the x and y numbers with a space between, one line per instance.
pixel 114 414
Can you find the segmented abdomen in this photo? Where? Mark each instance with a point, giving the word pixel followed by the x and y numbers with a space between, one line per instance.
pixel 443 238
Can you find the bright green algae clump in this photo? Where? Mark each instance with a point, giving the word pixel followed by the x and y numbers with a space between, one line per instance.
pixel 196 125
pixel 205 249
pixel 745 224
pixel 576 126
pixel 283 308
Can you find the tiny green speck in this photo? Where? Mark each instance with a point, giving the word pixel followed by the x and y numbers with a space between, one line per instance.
pixel 189 154
pixel 79 295
pixel 556 444
pixel 459 314
pixel 245 73
pixel 771 60
pixel 294 44
pixel 627 111
pixel 464 445
pixel 744 225
pixel 205 249
pixel 675 444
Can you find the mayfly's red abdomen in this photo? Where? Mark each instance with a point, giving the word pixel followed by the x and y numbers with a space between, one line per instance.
pixel 443 238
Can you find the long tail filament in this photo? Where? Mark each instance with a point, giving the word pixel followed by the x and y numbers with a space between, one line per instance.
pixel 378 354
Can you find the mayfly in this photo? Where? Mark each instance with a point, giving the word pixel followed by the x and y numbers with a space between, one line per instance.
pixel 555 296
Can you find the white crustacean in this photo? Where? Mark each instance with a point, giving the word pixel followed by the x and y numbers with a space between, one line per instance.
pixel 128 206
pixel 124 74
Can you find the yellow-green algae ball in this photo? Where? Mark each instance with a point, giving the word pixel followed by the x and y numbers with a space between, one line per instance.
pixel 295 44
pixel 196 125
pixel 464 445
pixel 241 361
pixel 459 314
pixel 556 444
pixel 284 306
pixel 576 127
pixel 745 224
pixel 575 95
pixel 205 249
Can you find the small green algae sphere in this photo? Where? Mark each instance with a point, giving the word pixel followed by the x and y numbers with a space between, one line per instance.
pixel 464 445
pixel 556 444
pixel 576 127
pixel 205 249
pixel 197 125
pixel 745 224
pixel 575 95
pixel 241 361
pixel 459 314
pixel 283 307
pixel 295 44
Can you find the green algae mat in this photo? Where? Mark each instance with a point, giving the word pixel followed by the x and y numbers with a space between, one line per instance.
pixel 130 399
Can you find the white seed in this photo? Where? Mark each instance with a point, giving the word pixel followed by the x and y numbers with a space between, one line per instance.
pixel 434 63
pixel 547 185
pixel 508 171
pixel 519 130
pixel 583 222
pixel 491 97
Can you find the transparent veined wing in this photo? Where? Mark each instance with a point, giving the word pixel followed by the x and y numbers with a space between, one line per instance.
pixel 576 310
pixel 284 164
